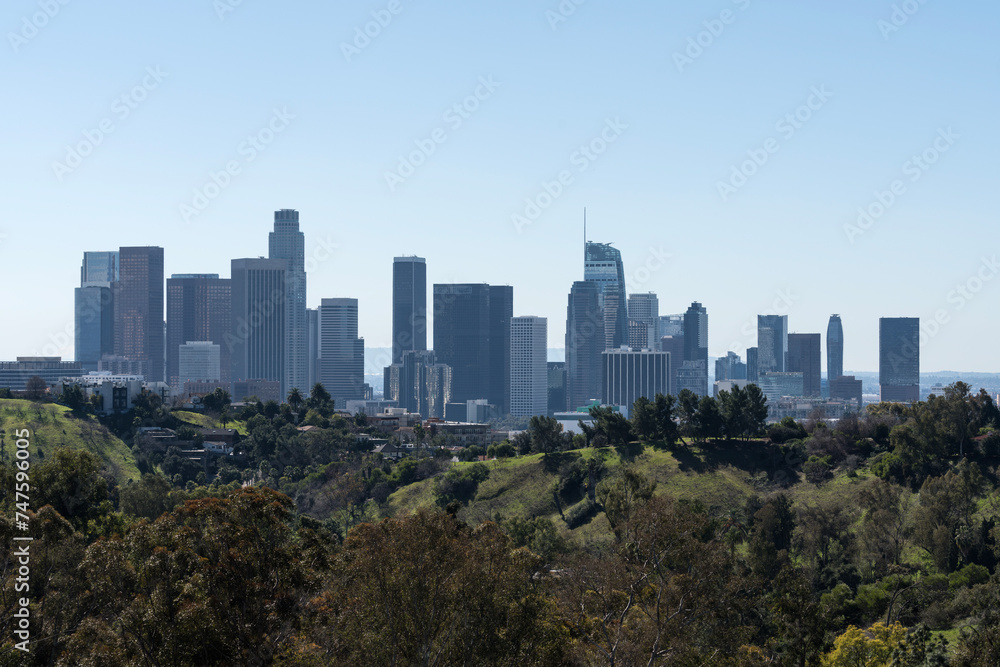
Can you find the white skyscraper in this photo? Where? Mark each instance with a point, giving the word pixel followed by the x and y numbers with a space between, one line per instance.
pixel 529 382
pixel 199 361
pixel 341 352
pixel 288 243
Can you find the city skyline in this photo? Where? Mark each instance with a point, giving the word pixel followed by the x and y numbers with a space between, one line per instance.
pixel 806 193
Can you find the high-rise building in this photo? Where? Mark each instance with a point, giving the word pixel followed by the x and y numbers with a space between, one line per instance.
pixel 804 356
pixel 462 319
pixel 501 312
pixel 730 367
pixel 629 374
pixel 138 310
pixel 585 340
pixel 341 351
pixel 99 269
pixel 312 324
pixel 419 384
pixel 529 382
pixel 780 383
pixel 696 341
pixel 603 266
pixel 772 343
pixel 672 325
pixel 674 344
pixel 899 359
pixel 693 376
pixel 259 311
pixel 409 306
pixel 752 375
pixel 199 308
pixel 287 243
pixel 557 387
pixel 199 361
pixel 845 387
pixel 644 321
pixel 94 325
pixel 834 349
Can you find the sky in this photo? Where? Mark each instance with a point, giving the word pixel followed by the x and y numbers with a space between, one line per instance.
pixel 757 157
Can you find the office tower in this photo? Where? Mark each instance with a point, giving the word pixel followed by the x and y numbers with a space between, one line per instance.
pixel 199 308
pixel 696 340
pixel 804 356
pixel 899 359
pixel 138 310
pixel 585 340
pixel 629 374
pixel 672 325
pixel 199 361
pixel 99 269
pixel 462 319
pixel 259 313
pixel 752 374
pixel 94 325
pixel 730 367
pixel 529 381
pixel 674 344
pixel 644 321
pixel 846 388
pixel 409 306
pixel 14 375
pixel 557 387
pixel 419 384
pixel 312 324
pixel 341 351
pixel 834 349
pixel 501 312
pixel 693 376
pixel 772 343
pixel 603 266
pixel 287 243
pixel 777 384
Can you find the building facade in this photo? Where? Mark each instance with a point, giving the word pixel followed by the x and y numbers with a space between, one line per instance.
pixel 834 349
pixel 138 310
pixel 696 342
pixel 804 356
pixel 899 359
pixel 585 341
pixel 629 374
pixel 462 320
pixel 409 306
pixel 772 343
pixel 341 351
pixel 288 243
pixel 199 308
pixel 603 266
pixel 529 381
pixel 256 342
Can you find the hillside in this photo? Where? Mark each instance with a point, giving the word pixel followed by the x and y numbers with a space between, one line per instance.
pixel 55 426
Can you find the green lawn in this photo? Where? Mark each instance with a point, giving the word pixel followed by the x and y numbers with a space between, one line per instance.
pixel 202 420
pixel 54 426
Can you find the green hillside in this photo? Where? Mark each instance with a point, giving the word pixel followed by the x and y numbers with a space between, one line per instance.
pixel 54 426
pixel 202 420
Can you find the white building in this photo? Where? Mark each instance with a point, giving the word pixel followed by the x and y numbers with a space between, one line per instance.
pixel 529 380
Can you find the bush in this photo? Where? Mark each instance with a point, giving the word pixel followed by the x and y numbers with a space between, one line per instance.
pixel 581 513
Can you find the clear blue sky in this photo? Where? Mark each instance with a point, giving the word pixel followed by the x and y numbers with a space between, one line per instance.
pixel 654 190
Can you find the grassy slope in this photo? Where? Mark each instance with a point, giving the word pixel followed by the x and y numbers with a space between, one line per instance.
pixel 53 426
pixel 206 421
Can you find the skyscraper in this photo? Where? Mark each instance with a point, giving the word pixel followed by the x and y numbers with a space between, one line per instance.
pixel 94 323
pixel 899 359
pixel 804 356
pixel 312 324
pixel 138 308
pixel 199 308
pixel 752 375
pixel 557 387
pixel 629 374
pixel 585 341
pixel 259 313
pixel 730 367
pixel 674 344
pixel 409 306
pixel 603 266
pixel 419 384
pixel 834 348
pixel 529 382
pixel 341 351
pixel 287 243
pixel 501 313
pixel 462 338
pixel 696 341
pixel 772 343
pixel 644 321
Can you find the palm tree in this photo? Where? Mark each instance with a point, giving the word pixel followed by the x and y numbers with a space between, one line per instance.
pixel 295 399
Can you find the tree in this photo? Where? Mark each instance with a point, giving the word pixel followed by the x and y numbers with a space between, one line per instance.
pixel 217 400
pixel 611 424
pixel 687 408
pixel 320 400
pixel 546 434
pixel 35 388
pixel 708 419
pixel 74 398
pixel 873 647
pixel 644 419
pixel 666 427
pixel 621 495
pixel 756 411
